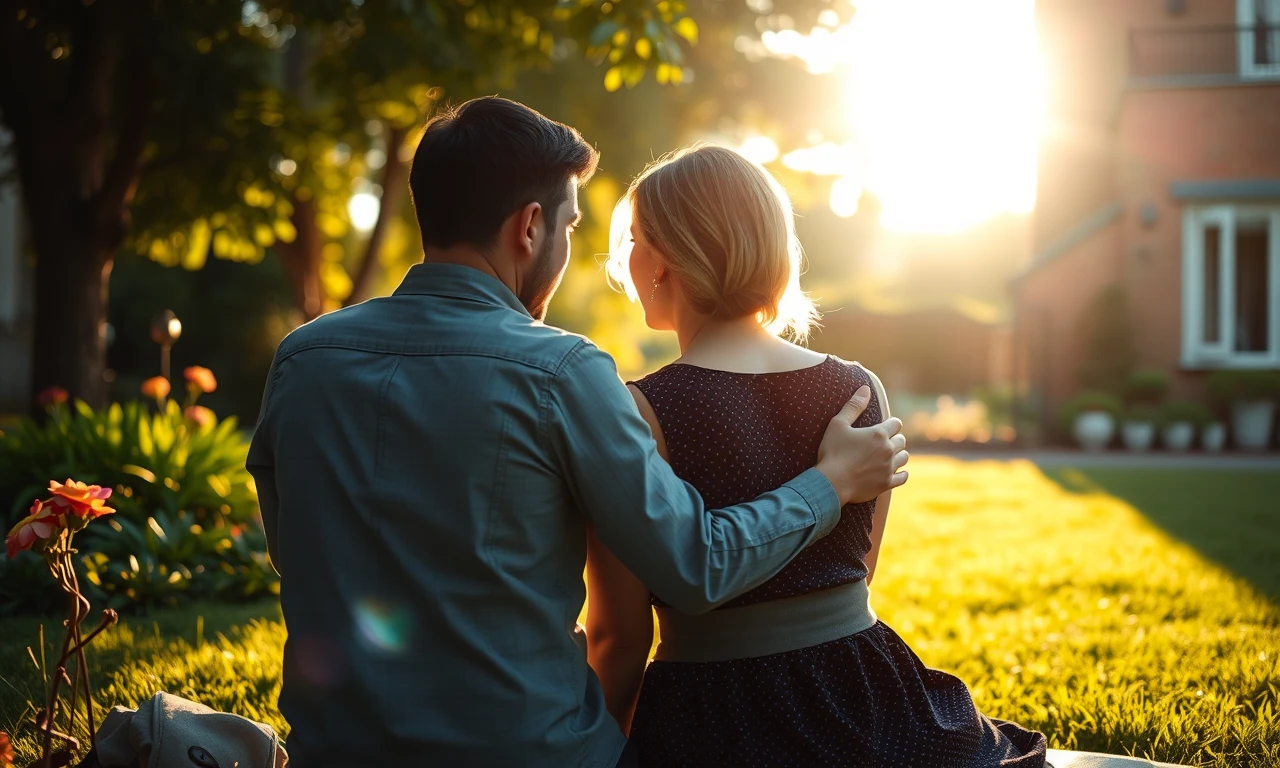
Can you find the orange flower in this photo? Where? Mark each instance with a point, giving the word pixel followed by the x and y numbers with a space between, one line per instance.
pixel 156 388
pixel 51 396
pixel 87 501
pixel 6 751
pixel 202 416
pixel 201 379
pixel 40 525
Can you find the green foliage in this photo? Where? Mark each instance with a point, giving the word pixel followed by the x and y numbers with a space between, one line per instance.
pixel 1142 414
pixel 186 521
pixel 1086 401
pixel 1185 411
pixel 1146 387
pixel 1067 609
pixel 1231 386
pixel 1108 333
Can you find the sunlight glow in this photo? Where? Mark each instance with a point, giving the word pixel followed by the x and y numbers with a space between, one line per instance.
pixel 944 102
pixel 363 209
pixel 759 149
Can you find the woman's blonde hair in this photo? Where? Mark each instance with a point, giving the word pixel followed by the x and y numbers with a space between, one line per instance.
pixel 723 226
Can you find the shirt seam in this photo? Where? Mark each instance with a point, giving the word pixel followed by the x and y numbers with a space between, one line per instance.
pixel 545 399
pixel 380 444
pixel 414 353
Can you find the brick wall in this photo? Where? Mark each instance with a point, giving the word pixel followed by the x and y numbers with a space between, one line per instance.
pixel 1108 142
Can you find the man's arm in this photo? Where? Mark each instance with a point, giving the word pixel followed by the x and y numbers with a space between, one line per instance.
pixel 657 525
pixel 262 465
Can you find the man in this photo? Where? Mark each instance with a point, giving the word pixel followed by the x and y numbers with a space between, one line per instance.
pixel 427 465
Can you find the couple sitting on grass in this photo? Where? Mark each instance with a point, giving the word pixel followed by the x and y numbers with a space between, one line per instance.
pixel 436 468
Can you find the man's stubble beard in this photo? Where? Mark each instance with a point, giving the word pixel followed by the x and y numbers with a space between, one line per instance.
pixel 541 284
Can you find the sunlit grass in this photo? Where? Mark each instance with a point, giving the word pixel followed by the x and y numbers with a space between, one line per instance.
pixel 1064 608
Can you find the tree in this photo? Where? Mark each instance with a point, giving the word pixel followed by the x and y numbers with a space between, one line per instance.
pixel 97 97
pixel 170 130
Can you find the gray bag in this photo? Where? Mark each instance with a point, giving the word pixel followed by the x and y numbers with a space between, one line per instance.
pixel 171 732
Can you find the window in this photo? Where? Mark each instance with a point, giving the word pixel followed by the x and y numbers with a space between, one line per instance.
pixel 1259 37
pixel 1231 287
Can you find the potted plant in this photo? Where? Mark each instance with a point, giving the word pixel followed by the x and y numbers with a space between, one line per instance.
pixel 1252 398
pixel 1213 437
pixel 1138 431
pixel 1090 417
pixel 1146 388
pixel 1181 420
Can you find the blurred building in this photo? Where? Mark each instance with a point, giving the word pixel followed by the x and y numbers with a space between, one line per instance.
pixel 1159 173
pixel 931 351
pixel 15 299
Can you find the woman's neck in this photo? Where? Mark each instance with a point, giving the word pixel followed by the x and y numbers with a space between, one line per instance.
pixel 704 334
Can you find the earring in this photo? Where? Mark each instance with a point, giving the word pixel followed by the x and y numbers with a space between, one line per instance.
pixel 654 293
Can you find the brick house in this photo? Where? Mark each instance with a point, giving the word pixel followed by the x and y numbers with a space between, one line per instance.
pixel 1159 173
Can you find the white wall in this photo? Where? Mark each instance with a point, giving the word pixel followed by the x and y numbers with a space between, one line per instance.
pixel 15 307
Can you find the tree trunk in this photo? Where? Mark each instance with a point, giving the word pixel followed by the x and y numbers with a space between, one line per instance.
pixel 78 180
pixel 69 343
pixel 302 260
pixel 395 183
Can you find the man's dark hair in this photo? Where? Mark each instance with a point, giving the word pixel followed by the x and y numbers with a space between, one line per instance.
pixel 480 162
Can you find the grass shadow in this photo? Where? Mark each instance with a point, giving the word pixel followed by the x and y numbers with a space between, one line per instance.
pixel 1230 517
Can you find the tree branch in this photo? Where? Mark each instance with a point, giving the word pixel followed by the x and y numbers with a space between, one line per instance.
pixel 395 179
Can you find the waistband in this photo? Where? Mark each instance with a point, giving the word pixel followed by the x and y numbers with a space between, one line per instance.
pixel 765 628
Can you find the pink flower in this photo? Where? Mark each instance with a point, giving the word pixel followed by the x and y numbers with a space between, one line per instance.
pixel 40 525
pixel 87 501
pixel 51 396
pixel 201 416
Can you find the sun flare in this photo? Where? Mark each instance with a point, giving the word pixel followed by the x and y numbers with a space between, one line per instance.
pixel 944 103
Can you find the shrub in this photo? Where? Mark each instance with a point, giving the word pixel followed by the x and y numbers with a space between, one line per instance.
pixel 1107 330
pixel 1142 414
pixel 1086 401
pixel 1186 411
pixel 1146 387
pixel 187 522
pixel 1227 387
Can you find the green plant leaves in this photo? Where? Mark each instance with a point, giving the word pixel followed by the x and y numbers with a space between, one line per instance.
pixel 186 505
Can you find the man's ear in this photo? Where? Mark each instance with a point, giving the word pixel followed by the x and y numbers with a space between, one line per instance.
pixel 530 227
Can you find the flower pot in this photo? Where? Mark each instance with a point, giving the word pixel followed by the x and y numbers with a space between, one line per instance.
pixel 1093 430
pixel 1251 424
pixel 1178 436
pixel 1214 437
pixel 1138 435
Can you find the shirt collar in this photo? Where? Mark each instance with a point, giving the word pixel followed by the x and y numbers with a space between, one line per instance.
pixel 459 282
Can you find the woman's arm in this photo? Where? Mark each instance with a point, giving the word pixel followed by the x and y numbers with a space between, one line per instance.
pixel 619 618
pixel 882 501
pixel 619 630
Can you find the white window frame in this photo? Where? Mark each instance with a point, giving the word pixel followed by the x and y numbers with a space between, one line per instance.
pixel 1246 18
pixel 1196 353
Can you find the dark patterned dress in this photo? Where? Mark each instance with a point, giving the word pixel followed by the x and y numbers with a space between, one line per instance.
pixel 862 700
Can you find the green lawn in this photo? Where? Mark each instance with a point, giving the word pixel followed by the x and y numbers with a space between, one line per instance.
pixel 1132 612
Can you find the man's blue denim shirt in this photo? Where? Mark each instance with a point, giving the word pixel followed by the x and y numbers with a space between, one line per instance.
pixel 427 465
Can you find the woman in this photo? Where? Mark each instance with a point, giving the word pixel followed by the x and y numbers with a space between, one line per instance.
pixel 797 671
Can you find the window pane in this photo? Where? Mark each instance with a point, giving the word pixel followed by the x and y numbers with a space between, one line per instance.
pixel 1253 278
pixel 1212 331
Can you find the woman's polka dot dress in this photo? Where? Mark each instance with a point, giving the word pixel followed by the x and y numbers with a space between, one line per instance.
pixel 862 700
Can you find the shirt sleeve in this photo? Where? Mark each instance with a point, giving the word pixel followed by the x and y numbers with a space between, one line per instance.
pixel 262 465
pixel 692 557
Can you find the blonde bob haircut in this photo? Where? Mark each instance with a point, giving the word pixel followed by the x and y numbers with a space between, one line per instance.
pixel 724 228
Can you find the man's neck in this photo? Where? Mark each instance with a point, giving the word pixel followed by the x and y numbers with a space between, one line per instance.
pixel 467 256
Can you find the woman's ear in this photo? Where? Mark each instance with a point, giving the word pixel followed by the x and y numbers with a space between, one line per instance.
pixel 660 274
